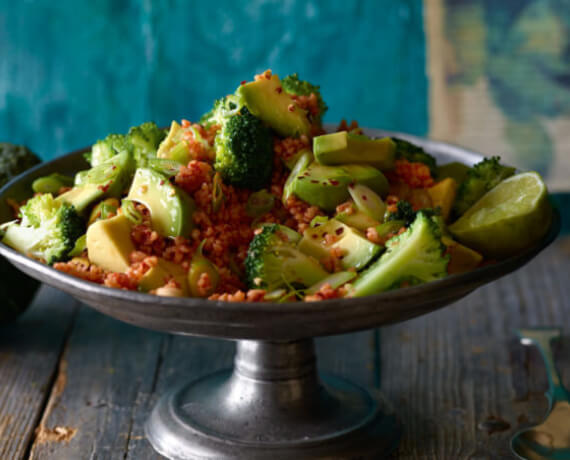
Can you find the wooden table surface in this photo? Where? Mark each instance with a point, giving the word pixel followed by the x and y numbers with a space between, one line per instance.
pixel 75 384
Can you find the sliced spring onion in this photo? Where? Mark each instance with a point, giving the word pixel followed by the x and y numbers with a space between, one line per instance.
pixel 367 201
pixel 131 212
pixel 80 246
pixel 165 166
pixel 388 227
pixel 335 280
pixel 198 266
pixel 302 163
pixel 259 203
pixel 217 192
pixel 51 183
pixel 318 220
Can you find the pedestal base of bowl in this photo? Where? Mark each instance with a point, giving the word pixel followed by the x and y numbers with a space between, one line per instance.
pixel 272 405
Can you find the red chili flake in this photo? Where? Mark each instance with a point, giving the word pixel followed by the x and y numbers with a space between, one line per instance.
pixel 339 230
pixel 243 82
pixel 105 187
pixel 334 182
pixel 162 182
pixel 315 236
pixel 279 89
pixel 114 167
pixel 364 197
pixel 291 108
pixel 351 185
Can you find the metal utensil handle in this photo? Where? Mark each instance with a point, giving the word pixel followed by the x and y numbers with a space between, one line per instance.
pixel 542 337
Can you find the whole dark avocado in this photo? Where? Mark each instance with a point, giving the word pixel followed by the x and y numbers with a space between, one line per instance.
pixel 16 289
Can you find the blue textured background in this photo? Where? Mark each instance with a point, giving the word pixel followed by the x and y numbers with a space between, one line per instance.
pixel 71 72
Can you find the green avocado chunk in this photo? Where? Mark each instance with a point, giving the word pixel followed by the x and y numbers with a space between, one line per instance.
pixel 327 186
pixel 357 250
pixel 357 219
pixel 170 207
pixel 174 146
pixel 343 147
pixel 108 179
pixel 266 100
pixel 81 197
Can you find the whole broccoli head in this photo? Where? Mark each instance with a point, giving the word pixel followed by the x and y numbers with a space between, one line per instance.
pixel 273 261
pixel 293 85
pixel 14 160
pixel 244 147
pixel 48 229
pixel 415 154
pixel 416 256
pixel 481 178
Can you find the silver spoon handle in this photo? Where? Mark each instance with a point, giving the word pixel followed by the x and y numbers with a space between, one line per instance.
pixel 541 337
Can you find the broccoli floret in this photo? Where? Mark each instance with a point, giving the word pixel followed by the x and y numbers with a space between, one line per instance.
pixel 273 261
pixel 243 145
pixel 415 154
pixel 142 141
pixel 481 178
pixel 292 85
pixel 145 140
pixel 16 288
pixel 406 214
pixel 217 112
pixel 48 229
pixel 416 256
pixel 107 148
pixel 14 160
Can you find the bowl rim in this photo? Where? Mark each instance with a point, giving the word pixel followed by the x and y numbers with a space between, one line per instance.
pixel 474 278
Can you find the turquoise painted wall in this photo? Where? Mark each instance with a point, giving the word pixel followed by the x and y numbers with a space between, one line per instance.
pixel 71 71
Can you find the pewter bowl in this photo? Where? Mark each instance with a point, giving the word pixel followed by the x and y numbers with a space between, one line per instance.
pixel 273 403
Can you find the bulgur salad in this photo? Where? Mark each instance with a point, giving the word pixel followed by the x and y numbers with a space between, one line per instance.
pixel 256 202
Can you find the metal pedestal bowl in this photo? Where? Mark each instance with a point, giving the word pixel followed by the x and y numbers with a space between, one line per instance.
pixel 273 403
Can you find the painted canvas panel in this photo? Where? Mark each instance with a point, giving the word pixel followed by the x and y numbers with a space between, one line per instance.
pixel 500 80
pixel 71 72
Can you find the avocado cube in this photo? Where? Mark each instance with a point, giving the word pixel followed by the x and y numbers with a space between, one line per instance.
pixel 170 207
pixel 266 100
pixel 159 275
pixel 358 219
pixel 174 146
pixel 327 186
pixel 82 196
pixel 357 250
pixel 344 147
pixel 109 243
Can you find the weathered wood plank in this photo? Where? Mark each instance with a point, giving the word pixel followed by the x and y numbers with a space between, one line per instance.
pixel 458 374
pixel 29 353
pixel 107 366
pixel 183 358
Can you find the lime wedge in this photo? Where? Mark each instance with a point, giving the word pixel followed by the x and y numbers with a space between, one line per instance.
pixel 507 219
